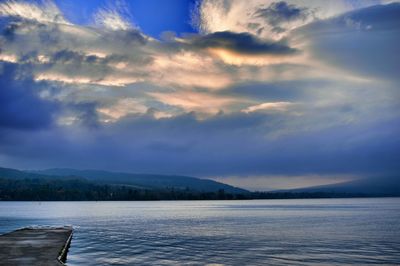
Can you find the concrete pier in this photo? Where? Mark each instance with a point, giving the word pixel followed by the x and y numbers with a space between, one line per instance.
pixel 35 246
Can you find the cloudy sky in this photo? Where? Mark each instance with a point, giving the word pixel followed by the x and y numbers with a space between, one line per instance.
pixel 258 93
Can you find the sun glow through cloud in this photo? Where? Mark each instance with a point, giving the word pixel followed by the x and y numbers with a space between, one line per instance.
pixel 247 92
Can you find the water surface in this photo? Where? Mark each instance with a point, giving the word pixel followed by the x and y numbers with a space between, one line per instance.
pixel 258 232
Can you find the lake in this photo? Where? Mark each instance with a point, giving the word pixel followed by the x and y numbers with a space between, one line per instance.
pixel 254 232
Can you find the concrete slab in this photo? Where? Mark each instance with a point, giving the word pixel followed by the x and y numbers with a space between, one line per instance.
pixel 35 246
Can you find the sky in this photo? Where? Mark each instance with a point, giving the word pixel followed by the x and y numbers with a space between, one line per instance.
pixel 259 94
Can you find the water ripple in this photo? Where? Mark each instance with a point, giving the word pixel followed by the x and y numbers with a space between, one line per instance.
pixel 282 232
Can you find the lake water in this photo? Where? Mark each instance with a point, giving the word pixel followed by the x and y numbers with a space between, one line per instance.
pixel 259 232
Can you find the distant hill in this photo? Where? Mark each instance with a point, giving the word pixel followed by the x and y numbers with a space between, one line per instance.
pixel 16 174
pixel 71 184
pixel 144 181
pixel 77 185
pixel 384 186
pixel 9 173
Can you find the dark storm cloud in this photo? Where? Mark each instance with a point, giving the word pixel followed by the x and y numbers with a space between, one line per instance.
pixel 68 56
pixel 245 43
pixel 364 41
pixel 22 108
pixel 20 105
pixel 127 37
pixel 8 28
pixel 281 12
pixel 84 113
pixel 235 144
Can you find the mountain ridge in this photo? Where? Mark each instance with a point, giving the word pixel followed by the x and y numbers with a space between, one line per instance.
pixel 388 186
pixel 149 181
pixel 373 186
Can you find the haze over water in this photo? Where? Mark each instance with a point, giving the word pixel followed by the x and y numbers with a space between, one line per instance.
pixel 258 232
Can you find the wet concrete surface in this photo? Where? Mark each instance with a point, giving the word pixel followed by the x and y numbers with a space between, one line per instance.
pixel 35 246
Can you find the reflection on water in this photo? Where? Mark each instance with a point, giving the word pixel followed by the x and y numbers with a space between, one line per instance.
pixel 276 232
